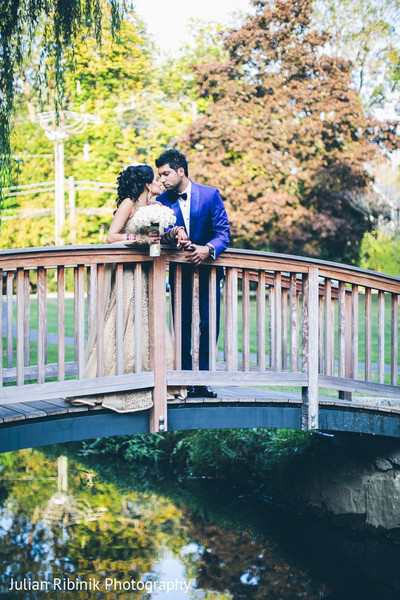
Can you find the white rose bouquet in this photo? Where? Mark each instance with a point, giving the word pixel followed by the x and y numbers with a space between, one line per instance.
pixel 153 217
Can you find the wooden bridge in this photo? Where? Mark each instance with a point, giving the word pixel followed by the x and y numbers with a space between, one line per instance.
pixel 304 343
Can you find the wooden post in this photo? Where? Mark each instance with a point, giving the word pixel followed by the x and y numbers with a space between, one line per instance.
pixel 138 318
pixel 294 324
pixel 310 349
pixel 284 329
pixel 277 364
pixel 119 319
pixel 354 331
pixel 381 336
pixel 20 326
pixel 158 361
pixel 100 320
pixel 329 337
pixel 178 317
pixel 61 322
pixel 261 321
pixel 368 334
pixel 246 320
pixel 1 327
pixel 42 323
pixel 212 330
pixel 348 339
pixel 27 319
pixel 395 335
pixel 195 320
pixel 10 278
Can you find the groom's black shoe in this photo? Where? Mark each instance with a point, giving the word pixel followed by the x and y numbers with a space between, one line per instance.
pixel 201 391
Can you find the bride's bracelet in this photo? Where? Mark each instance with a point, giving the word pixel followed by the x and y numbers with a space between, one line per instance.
pixel 129 237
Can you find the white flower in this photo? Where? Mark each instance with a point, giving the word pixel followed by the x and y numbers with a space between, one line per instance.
pixel 154 214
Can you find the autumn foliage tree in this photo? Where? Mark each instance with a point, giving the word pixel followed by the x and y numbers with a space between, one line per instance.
pixel 285 137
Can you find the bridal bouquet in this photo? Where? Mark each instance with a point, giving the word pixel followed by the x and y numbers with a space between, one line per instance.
pixel 153 217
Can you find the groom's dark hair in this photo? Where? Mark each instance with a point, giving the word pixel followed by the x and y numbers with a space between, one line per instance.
pixel 174 159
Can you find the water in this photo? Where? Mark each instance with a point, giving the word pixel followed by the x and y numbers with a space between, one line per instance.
pixel 68 532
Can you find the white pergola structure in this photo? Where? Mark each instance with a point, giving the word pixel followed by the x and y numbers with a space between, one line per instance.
pixel 58 127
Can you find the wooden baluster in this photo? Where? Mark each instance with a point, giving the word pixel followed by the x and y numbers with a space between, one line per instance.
pixel 320 333
pixel 20 326
pixel 284 328
pixel 395 329
pixel 1 328
pixel 246 320
pixel 368 334
pixel 76 310
pixel 294 324
pixel 195 321
pixel 42 322
pixel 329 337
pixel 81 321
pixel 27 319
pixel 381 337
pixel 100 320
pixel 178 317
pixel 119 319
pixel 261 321
pixel 10 278
pixel 213 319
pixel 310 349
pixel 234 283
pixel 231 349
pixel 354 331
pixel 158 359
pixel 348 329
pixel 138 318
pixel 278 322
pixel 272 327
pixel 61 322
pixel 91 296
pixel 342 329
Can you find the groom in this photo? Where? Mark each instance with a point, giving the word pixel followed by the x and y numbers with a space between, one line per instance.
pixel 199 208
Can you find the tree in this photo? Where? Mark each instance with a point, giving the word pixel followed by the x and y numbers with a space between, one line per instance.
pixel 367 33
pixel 119 83
pixel 53 27
pixel 285 137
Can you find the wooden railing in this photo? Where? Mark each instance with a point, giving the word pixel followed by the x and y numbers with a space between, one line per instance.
pixel 303 324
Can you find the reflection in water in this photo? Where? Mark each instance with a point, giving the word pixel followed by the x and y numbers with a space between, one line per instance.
pixel 65 532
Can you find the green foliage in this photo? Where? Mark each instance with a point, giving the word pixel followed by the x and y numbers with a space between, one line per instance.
pixel 241 455
pixel 300 186
pixel 380 251
pixel 140 109
pixel 366 32
pixel 29 24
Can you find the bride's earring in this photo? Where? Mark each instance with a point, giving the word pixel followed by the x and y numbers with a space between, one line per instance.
pixel 149 196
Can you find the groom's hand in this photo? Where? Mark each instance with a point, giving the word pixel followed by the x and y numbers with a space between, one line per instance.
pixel 198 254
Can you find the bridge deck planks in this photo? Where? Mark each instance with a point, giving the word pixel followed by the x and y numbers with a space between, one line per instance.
pixel 40 409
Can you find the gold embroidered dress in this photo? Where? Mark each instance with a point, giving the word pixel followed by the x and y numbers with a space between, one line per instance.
pixel 129 401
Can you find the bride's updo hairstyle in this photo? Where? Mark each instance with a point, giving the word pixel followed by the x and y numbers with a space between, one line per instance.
pixel 132 180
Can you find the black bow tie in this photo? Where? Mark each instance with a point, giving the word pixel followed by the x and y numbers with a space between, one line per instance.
pixel 182 196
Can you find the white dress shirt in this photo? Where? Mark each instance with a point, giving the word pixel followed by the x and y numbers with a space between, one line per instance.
pixel 185 207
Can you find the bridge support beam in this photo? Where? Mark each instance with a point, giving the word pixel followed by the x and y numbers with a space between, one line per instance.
pixel 158 329
pixel 310 349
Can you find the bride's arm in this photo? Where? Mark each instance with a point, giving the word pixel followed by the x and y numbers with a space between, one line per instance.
pixel 122 214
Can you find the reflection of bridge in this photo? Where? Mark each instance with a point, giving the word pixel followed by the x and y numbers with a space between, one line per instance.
pixel 305 343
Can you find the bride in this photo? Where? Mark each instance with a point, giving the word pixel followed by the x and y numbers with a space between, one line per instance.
pixel 137 185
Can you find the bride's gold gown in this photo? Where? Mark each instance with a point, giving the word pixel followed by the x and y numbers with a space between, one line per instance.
pixel 129 401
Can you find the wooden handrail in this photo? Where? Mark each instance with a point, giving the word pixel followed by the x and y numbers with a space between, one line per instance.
pixel 306 312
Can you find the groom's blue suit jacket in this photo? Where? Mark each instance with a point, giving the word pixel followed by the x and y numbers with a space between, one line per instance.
pixel 208 219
